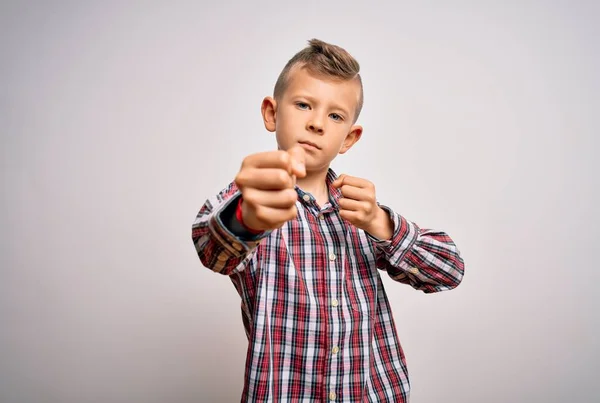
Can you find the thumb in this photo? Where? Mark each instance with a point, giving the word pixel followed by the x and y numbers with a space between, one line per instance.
pixel 339 181
pixel 298 158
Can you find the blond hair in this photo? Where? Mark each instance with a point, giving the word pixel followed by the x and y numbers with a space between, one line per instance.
pixel 326 60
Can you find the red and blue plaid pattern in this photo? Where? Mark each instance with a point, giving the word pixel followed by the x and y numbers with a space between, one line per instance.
pixel 316 315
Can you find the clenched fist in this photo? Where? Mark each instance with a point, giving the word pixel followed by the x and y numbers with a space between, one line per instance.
pixel 267 182
pixel 359 206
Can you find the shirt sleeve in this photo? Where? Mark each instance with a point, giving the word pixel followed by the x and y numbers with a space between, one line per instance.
pixel 426 259
pixel 222 243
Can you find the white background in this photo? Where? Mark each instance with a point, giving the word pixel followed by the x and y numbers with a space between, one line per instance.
pixel 119 120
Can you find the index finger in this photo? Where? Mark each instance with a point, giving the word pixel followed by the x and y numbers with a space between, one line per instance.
pixel 348 180
pixel 269 159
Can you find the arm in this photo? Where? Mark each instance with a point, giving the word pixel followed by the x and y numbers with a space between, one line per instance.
pixel 427 260
pixel 221 241
pixel 266 182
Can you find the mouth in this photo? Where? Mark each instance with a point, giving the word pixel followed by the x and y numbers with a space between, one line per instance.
pixel 310 145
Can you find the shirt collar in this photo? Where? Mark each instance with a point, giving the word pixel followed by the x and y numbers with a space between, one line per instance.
pixel 334 193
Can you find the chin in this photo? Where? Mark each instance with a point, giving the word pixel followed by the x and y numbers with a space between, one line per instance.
pixel 312 165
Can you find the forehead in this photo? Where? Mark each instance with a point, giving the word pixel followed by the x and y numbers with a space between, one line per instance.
pixel 301 80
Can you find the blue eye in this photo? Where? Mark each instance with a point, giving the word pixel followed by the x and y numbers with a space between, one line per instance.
pixel 336 117
pixel 302 105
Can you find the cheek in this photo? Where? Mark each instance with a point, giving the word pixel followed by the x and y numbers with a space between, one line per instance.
pixel 283 121
pixel 282 133
pixel 339 139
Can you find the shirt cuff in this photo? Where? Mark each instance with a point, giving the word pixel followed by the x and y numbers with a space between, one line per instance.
pixel 404 236
pixel 229 219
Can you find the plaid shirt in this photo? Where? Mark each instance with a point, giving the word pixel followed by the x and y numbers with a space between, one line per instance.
pixel 316 315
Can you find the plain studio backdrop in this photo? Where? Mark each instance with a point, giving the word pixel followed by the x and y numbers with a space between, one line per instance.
pixel 119 120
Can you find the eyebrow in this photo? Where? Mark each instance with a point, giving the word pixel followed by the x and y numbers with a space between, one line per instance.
pixel 314 100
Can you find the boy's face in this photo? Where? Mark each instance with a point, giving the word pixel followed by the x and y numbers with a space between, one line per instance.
pixel 317 113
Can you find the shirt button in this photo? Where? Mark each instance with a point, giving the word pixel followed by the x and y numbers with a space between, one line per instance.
pixel 413 270
pixel 222 258
pixel 331 256
pixel 321 217
pixel 332 396
pixel 335 350
pixel 335 302
pixel 306 197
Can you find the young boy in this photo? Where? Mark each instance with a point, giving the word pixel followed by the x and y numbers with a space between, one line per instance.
pixel 303 247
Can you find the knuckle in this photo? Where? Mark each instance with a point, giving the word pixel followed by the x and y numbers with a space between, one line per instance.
pixel 292 196
pixel 282 178
pixel 240 178
pixel 292 213
pixel 283 157
pixel 249 195
pixel 259 213
pixel 248 161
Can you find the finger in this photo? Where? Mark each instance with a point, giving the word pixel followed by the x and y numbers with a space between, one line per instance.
pixel 272 218
pixel 351 216
pixel 298 158
pixel 264 179
pixel 356 193
pixel 270 159
pixel 278 199
pixel 339 181
pixel 353 181
pixel 351 205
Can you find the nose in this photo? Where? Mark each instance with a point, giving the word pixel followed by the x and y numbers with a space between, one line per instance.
pixel 315 124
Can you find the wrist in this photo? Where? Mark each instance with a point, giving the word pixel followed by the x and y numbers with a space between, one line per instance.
pixel 382 226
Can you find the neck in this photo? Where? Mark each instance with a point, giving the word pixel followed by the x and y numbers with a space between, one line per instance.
pixel 315 183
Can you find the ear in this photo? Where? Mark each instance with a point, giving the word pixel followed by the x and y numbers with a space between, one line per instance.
pixel 351 139
pixel 269 113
